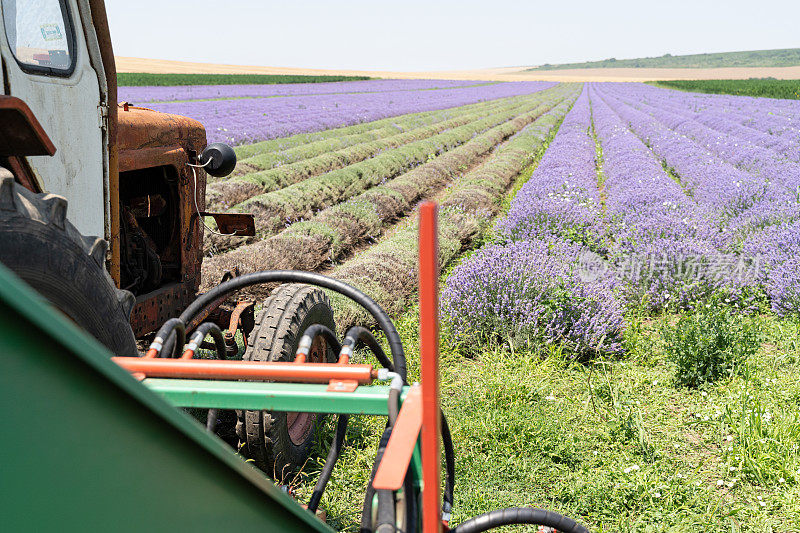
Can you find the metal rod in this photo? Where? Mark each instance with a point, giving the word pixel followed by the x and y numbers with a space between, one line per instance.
pixel 251 370
pixel 429 365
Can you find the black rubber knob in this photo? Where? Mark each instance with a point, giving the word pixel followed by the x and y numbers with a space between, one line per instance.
pixel 223 159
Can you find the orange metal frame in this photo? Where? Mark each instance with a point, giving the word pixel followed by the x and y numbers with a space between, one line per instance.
pixel 249 370
pixel 429 365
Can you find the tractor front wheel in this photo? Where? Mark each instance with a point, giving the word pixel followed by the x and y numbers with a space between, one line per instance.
pixel 280 442
pixel 39 245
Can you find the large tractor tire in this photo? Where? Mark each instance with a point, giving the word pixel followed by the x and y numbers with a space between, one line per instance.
pixel 279 443
pixel 39 245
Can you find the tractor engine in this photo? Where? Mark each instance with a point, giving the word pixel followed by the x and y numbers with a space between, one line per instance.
pixel 160 233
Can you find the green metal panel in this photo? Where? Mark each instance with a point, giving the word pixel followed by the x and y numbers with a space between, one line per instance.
pixel 86 447
pixel 305 398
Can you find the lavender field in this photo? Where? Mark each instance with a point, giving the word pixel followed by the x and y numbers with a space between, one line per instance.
pixel 645 199
pixel 648 199
pixel 242 114
pixel 621 304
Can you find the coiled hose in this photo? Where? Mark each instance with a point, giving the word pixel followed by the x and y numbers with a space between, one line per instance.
pixel 295 276
pixel 398 361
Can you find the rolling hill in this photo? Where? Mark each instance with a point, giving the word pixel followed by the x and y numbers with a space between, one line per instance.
pixel 784 57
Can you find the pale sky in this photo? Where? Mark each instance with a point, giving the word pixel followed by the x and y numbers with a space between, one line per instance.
pixel 443 34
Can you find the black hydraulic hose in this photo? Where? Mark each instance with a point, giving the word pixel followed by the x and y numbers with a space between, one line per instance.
pixel 195 342
pixel 330 462
pixel 366 510
pixel 310 278
pixel 211 420
pixel 207 328
pixel 307 339
pixel 165 334
pixel 315 330
pixel 387 511
pixel 520 515
pixel 450 469
pixel 361 334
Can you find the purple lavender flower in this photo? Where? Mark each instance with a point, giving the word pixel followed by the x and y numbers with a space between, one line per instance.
pixel 242 121
pixel 144 94
pixel 532 291
pixel 561 197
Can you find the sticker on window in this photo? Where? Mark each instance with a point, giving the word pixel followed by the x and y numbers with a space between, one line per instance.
pixel 51 32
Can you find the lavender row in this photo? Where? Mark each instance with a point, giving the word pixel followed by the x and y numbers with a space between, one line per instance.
pixel 762 125
pixel 144 94
pixel 561 199
pixel 772 116
pixel 388 271
pixel 252 120
pixel 782 176
pixel 724 190
pixel 760 208
pixel 531 289
pixel 657 227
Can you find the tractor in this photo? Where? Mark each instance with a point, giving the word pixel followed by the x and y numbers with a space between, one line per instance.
pixel 101 226
pixel 102 208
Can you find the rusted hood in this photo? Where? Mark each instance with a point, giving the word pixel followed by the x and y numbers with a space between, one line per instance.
pixel 147 138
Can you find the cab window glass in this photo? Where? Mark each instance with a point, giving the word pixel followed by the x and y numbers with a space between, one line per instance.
pixel 40 35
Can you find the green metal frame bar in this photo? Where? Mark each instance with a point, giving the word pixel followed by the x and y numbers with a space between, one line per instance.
pixel 298 397
pixel 257 396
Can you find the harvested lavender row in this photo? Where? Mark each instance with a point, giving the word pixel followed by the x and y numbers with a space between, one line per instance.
pixel 143 94
pixel 308 244
pixel 403 123
pixel 657 227
pixel 237 189
pixel 282 147
pixel 388 271
pixel 273 209
pixel 250 120
pixel 561 199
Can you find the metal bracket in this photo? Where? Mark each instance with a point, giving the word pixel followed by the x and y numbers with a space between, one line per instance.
pixel 239 224
pixel 342 386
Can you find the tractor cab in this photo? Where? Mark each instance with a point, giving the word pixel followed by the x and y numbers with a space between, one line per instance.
pixel 124 171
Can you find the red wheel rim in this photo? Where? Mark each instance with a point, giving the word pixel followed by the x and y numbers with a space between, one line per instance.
pixel 300 424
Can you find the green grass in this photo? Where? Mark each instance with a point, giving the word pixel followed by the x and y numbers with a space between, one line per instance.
pixel 764 87
pixel 614 443
pixel 785 57
pixel 143 78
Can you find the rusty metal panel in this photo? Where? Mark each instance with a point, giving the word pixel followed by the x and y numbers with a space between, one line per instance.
pixel 20 132
pixel 154 308
pixel 146 139
pixel 239 224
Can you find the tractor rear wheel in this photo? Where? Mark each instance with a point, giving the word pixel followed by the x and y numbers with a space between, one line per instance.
pixel 39 245
pixel 280 442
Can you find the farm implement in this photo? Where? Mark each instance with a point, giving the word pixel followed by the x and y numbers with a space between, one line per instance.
pixel 105 446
